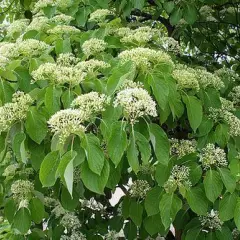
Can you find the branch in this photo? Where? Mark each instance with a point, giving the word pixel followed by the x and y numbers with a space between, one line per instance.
pixel 148 16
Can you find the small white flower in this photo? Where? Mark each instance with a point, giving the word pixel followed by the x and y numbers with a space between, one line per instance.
pixel 211 221
pixel 91 103
pixel 67 122
pixel 93 46
pixel 136 102
pixel 99 15
pixel 212 156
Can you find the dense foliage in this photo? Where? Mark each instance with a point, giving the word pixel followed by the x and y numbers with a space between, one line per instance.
pixel 91 103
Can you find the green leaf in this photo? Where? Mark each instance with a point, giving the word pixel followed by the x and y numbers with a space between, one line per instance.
pixel 176 16
pixel 213 185
pixel 143 146
pixel 135 213
pixel 168 6
pixel 235 168
pixel 160 143
pixel 132 154
pixel 205 126
pixel 48 169
pixel 153 225
pixel 19 147
pixel 169 205
pixel 36 208
pixel 162 173
pixel 222 135
pixel 160 89
pixel 65 169
pixel 118 138
pixel 22 220
pixel 94 153
pixel 119 75
pixel 197 200
pixel 63 46
pixel 6 91
pixel 194 111
pixel 224 234
pixel 36 125
pixel 228 179
pixel 10 209
pixel 237 214
pixel 190 13
pixel 193 233
pixel 195 172
pixel 152 199
pixel 52 99
pixel 94 182
pixel 138 4
pixel 70 202
pixel 82 15
pixel 227 206
pixel 67 98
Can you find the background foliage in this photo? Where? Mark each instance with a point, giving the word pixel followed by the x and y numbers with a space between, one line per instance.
pixel 184 163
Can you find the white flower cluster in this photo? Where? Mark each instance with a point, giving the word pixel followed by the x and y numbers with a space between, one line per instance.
pixel 198 78
pixel 182 147
pixel 211 221
pixel 31 48
pixel 233 123
pixel 224 113
pixel 59 211
pixel 92 204
pixel 7 50
pixel 70 221
pixel 17 27
pixel 140 36
pixel 58 75
pixel 3 62
pixel 145 57
pixel 235 95
pixel 41 4
pixel 93 46
pixel 179 178
pixel 99 15
pixel 227 74
pixel 10 170
pixel 62 19
pixel 171 45
pixel 92 65
pixel 112 235
pixel 136 103
pixel 64 30
pixel 40 23
pixel 75 235
pixel 123 31
pixel 67 122
pixel 130 84
pixel 50 202
pixel 67 59
pixel 15 111
pixel 235 234
pixel 139 189
pixel 22 190
pixel 212 156
pixel 91 103
pixel 207 79
pixel 186 79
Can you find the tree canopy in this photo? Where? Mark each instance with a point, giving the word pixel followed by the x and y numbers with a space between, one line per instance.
pixel 139 97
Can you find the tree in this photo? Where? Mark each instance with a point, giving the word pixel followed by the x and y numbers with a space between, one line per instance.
pixel 98 96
